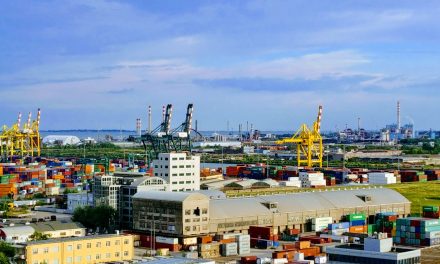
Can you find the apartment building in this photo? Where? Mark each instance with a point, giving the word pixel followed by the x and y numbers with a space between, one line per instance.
pixel 78 250
pixel 180 170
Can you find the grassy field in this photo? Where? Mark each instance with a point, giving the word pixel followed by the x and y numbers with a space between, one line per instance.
pixel 419 193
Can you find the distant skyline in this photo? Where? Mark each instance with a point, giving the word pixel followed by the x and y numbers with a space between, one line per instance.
pixel 99 64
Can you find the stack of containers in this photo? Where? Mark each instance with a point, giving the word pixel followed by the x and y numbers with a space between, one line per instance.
pixel 244 244
pixel 340 175
pixel 229 249
pixel 433 175
pixel 291 182
pixel 339 228
pixel 385 223
pixel 357 223
pixel 417 231
pixel 321 223
pixel 381 178
pixel 430 211
pixel 311 179
pixel 262 237
pixel 330 181
pixel 413 176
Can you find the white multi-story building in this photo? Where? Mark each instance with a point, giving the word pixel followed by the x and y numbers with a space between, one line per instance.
pixel 180 170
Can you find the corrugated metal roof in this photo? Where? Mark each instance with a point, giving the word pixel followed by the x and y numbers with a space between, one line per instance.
pixel 229 208
pixel 55 226
pixel 302 202
pixel 18 230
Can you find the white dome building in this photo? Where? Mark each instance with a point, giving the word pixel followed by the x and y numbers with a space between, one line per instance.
pixel 62 140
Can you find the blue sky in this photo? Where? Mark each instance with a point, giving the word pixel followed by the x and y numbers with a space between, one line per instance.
pixel 99 64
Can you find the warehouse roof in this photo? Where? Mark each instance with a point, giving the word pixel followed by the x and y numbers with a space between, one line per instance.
pixel 168 196
pixel 302 202
pixel 17 230
pixel 55 226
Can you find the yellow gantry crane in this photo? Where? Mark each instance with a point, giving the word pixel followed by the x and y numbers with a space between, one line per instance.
pixel 15 141
pixel 308 142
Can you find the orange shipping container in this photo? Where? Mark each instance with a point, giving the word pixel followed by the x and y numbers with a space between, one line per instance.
pixel 358 229
pixel 310 252
pixel 302 244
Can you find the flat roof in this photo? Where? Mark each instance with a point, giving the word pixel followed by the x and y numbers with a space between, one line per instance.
pixel 65 239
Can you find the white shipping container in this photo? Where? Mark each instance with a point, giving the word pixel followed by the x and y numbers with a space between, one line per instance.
pixel 190 241
pixel 280 261
pixel 339 232
pixel 298 256
pixel 243 238
pixel 433 234
pixel 322 220
pixel 167 240
pixel 321 259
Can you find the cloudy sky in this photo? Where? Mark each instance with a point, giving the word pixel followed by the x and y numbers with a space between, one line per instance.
pixel 99 64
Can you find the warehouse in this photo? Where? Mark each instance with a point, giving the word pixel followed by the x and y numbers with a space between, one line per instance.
pixel 279 211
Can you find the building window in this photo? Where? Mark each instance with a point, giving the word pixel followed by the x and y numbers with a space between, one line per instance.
pixel 174 174
pixel 46 250
pixel 156 174
pixel 204 210
pixel 117 254
pixel 69 247
pixel 117 242
pixel 55 249
pixel 98 256
pixel 89 258
pixel 187 228
pixel 166 166
pixel 181 182
pixel 174 166
pixel 89 245
pixel 63 234
pixel 188 174
pixel 77 232
pixel 166 174
pixel 98 244
pixel 187 212
pixel 187 220
pixel 126 241
pixel 78 259
pixel 35 251
pixel 166 158
pixel 188 166
pixel 126 253
pixel 78 246
pixel 69 260
pixel 205 219
pixel 181 174
pixel 181 158
pixel 107 255
pixel 187 182
pixel 174 158
pixel 55 261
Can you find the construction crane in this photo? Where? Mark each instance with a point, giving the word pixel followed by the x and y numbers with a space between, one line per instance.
pixel 25 142
pixel 163 139
pixel 309 150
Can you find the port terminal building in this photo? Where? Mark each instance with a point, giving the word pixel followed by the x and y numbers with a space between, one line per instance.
pixel 191 214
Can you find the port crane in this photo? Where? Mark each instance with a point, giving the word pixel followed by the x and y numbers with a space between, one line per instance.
pixel 18 141
pixel 163 139
pixel 308 141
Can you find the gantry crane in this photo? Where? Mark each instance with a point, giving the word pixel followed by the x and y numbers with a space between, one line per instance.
pixel 308 142
pixel 15 141
pixel 163 139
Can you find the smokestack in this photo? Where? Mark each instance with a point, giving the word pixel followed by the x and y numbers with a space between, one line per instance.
pixel 138 126
pixel 149 119
pixel 196 128
pixel 398 117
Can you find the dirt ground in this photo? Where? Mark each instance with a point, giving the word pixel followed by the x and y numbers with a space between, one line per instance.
pixel 431 255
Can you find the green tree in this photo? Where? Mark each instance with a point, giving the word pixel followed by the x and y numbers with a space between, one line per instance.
pixel 39 236
pixel 102 216
pixel 7 249
pixel 4 259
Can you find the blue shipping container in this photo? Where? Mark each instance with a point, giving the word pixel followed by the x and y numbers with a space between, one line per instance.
pixel 357 223
pixel 342 225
